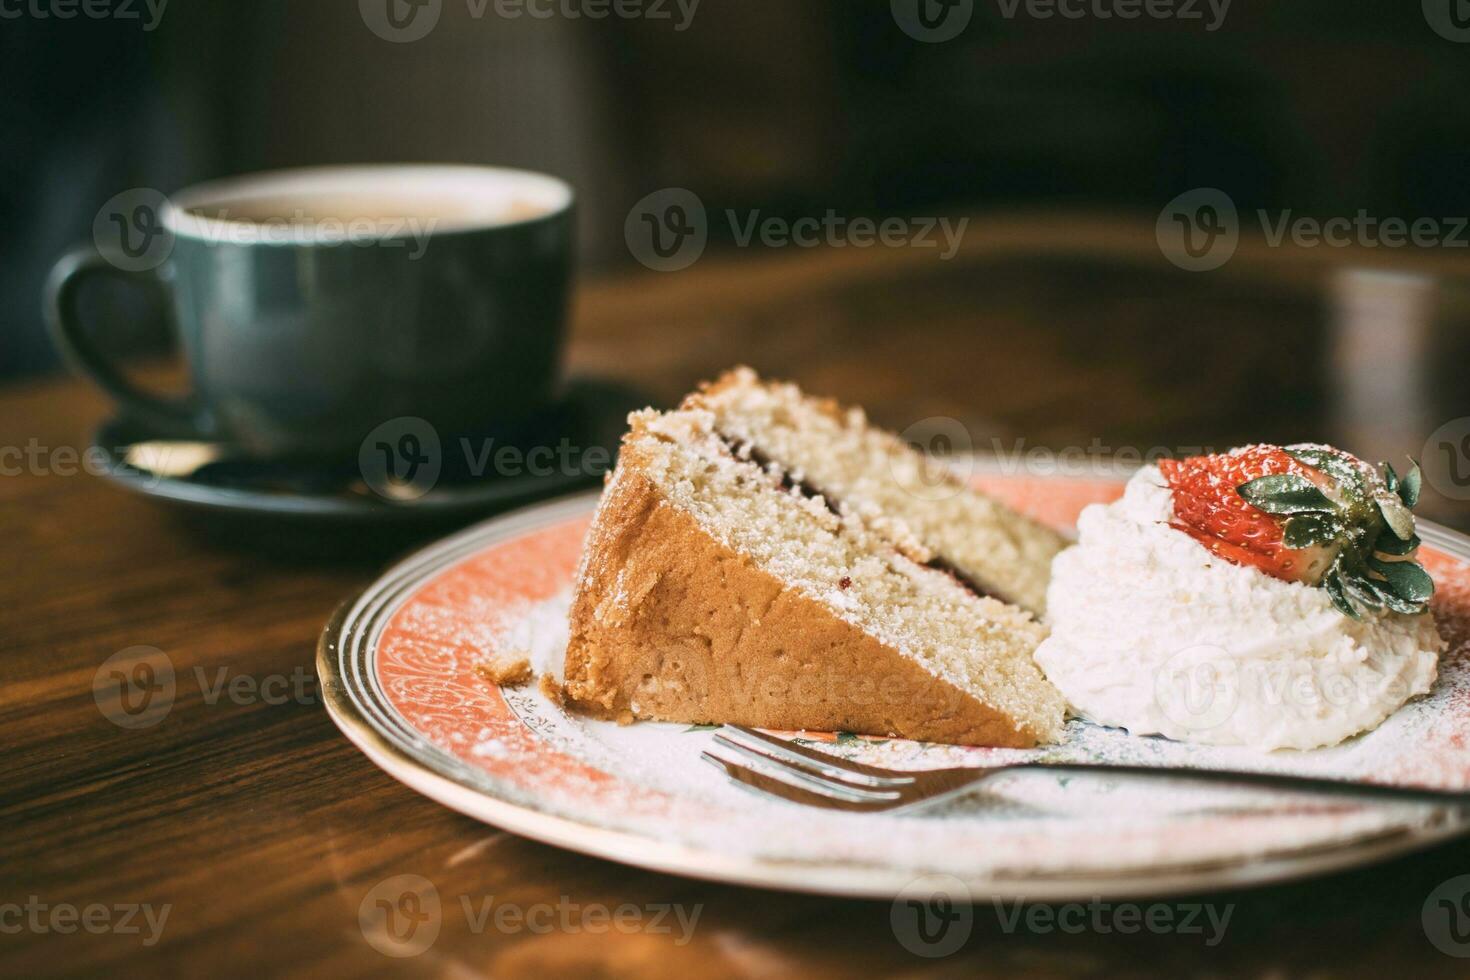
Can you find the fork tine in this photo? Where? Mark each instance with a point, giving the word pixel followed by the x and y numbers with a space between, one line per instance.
pixel 771 786
pixel 873 775
pixel 825 778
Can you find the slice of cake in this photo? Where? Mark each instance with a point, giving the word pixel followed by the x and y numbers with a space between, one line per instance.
pixel 718 585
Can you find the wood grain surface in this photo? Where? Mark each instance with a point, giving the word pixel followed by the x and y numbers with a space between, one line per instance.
pixel 246 815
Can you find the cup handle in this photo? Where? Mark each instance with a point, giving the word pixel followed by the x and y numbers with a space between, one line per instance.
pixel 178 417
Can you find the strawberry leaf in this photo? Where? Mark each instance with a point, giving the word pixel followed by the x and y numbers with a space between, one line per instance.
pixel 1306 530
pixel 1391 600
pixel 1412 483
pixel 1390 478
pixel 1284 493
pixel 1361 591
pixel 1400 519
pixel 1389 544
pixel 1333 585
pixel 1406 578
pixel 1335 463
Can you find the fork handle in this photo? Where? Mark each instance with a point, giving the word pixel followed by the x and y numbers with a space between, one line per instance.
pixel 1274 780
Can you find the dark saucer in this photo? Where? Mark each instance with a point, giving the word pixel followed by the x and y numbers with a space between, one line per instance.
pixel 576 442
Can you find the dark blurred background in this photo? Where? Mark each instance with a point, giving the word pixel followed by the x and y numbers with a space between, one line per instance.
pixel 791 106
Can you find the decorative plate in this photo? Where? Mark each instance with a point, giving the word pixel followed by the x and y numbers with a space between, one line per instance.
pixel 397 670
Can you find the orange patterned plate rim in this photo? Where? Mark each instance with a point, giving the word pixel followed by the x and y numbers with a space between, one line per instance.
pixel 396 667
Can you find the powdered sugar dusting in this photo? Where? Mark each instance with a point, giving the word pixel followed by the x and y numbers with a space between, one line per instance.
pixel 647 779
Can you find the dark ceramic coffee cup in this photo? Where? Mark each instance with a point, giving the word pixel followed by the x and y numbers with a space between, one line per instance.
pixel 313 305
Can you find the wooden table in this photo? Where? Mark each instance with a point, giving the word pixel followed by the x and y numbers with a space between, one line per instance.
pixel 262 829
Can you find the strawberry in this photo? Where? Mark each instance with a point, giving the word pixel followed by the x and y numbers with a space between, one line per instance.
pixel 1309 514
pixel 1208 507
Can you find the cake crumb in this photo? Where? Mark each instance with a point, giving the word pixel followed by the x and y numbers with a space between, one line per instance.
pixel 507 668
pixel 553 690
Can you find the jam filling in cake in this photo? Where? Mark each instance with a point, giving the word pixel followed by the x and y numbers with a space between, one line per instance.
pixel 833 452
pixel 744 451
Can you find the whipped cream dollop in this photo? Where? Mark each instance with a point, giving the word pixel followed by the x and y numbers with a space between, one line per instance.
pixel 1153 633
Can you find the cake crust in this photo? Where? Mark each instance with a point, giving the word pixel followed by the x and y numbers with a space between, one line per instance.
pixel 669 623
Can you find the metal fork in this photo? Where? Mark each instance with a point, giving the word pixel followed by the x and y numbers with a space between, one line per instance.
pixel 818 779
